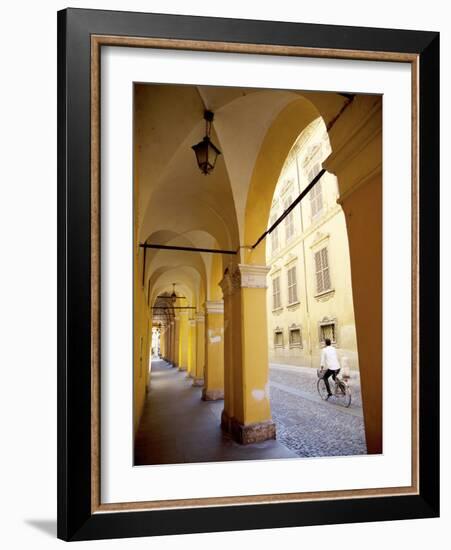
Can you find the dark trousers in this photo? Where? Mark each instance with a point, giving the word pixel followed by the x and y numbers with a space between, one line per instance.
pixel 328 373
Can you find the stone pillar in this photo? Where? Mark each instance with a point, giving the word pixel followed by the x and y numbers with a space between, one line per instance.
pixel 183 341
pixel 232 342
pixel 247 411
pixel 192 344
pixel 175 362
pixel 163 342
pixel 214 351
pixel 169 340
pixel 198 378
pixel 356 160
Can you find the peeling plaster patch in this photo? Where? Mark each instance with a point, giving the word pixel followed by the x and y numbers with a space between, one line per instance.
pixel 258 395
pixel 215 339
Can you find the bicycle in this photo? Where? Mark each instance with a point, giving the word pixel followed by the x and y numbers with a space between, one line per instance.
pixel 338 387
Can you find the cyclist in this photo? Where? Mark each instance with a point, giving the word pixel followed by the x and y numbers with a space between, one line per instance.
pixel 329 361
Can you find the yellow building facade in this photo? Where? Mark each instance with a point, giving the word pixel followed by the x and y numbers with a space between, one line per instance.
pixel 309 294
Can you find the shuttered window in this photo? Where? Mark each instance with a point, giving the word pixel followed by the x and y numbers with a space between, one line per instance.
pixel 316 194
pixel 274 235
pixel 322 271
pixel 278 338
pixel 328 331
pixel 276 301
pixel 289 220
pixel 292 285
pixel 295 337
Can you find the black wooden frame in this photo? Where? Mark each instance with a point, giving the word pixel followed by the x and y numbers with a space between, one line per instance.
pixel 75 520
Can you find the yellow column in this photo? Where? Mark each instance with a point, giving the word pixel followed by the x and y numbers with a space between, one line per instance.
pixel 163 341
pixel 192 342
pixel 167 338
pixel 247 411
pixel 171 354
pixel 183 341
pixel 357 163
pixel 214 351
pixel 229 346
pixel 175 362
pixel 198 376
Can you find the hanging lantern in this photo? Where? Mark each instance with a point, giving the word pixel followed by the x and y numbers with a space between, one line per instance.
pixel 173 295
pixel 206 152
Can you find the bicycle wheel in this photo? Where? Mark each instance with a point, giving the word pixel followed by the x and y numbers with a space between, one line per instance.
pixel 322 390
pixel 345 398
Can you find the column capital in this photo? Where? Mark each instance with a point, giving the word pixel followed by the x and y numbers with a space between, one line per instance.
pixel 192 322
pixel 200 317
pixel 244 276
pixel 214 306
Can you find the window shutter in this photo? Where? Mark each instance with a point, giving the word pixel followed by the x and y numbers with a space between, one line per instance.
pixel 325 266
pixel 319 274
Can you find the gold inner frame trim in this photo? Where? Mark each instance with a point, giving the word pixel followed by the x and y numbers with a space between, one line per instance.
pixel 97 41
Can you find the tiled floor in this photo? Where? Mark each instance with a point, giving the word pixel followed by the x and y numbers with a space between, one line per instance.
pixel 178 427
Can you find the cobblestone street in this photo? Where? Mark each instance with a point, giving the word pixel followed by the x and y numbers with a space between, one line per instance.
pixel 309 426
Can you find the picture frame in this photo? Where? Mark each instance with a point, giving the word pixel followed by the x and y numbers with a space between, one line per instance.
pixel 81 35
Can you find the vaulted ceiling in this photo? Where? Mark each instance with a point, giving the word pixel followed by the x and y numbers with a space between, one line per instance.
pixel 175 204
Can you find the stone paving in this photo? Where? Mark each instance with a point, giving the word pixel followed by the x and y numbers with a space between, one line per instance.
pixel 177 427
pixel 309 426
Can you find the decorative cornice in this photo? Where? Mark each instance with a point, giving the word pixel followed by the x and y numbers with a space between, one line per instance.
pixel 320 238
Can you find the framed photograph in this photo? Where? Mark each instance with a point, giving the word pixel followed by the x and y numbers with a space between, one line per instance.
pixel 248 274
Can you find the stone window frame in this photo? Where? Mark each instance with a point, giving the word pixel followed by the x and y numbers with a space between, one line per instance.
pixel 323 323
pixel 291 329
pixel 278 330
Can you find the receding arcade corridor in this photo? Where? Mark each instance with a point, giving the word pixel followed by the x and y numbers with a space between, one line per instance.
pixel 178 427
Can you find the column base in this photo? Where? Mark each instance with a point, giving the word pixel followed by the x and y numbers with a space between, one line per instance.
pixel 212 395
pixel 182 369
pixel 198 382
pixel 189 375
pixel 225 422
pixel 252 433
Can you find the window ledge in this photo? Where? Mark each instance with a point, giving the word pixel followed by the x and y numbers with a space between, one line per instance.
pixel 277 309
pixel 298 346
pixel 293 304
pixel 326 293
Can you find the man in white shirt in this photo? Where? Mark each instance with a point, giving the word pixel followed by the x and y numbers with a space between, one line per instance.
pixel 329 361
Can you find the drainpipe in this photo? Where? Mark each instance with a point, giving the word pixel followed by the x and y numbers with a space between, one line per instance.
pixel 307 310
